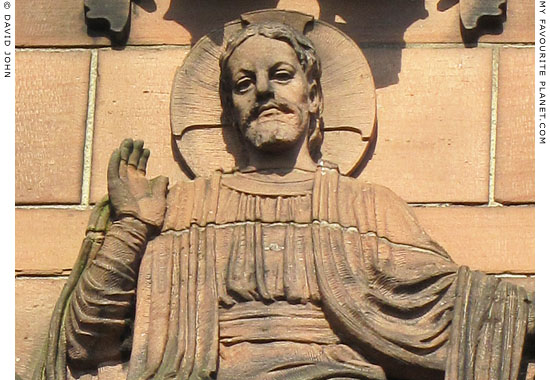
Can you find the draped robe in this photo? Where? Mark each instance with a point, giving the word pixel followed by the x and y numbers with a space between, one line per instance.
pixel 322 277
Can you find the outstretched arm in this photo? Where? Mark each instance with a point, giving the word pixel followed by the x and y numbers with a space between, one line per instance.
pixel 101 308
pixel 492 325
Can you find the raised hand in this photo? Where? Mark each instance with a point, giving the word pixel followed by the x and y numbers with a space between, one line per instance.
pixel 130 193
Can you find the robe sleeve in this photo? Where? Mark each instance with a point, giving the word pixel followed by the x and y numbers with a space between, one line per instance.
pixel 490 317
pixel 51 361
pixel 395 221
pixel 489 328
pixel 101 307
pixel 405 304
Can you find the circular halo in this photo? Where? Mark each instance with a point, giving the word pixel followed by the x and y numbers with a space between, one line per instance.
pixel 349 112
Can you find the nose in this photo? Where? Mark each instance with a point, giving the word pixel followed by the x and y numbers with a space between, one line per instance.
pixel 263 86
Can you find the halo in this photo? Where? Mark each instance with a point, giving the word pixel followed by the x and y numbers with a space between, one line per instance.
pixel 349 112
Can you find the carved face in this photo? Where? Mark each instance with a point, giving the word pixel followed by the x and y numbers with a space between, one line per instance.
pixel 271 95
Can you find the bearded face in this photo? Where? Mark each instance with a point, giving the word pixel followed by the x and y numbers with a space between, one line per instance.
pixel 270 93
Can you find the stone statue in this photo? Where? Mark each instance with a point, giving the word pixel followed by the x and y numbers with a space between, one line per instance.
pixel 282 268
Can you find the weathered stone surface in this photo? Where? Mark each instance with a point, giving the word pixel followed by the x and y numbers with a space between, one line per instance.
pixel 527 282
pixel 54 243
pixel 515 150
pixel 490 239
pixel 52 23
pixel 429 149
pixel 50 121
pixel 34 301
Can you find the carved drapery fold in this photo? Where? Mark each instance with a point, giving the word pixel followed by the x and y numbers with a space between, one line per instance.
pixel 384 286
pixel 103 301
pixel 491 321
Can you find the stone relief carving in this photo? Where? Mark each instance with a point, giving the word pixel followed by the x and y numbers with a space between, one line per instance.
pixel 280 265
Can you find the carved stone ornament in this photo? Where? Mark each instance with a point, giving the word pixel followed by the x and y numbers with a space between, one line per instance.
pixel 471 11
pixel 109 17
pixel 280 266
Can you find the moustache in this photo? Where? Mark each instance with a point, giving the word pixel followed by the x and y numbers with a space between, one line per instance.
pixel 278 104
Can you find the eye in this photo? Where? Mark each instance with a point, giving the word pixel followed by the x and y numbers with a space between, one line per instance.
pixel 243 84
pixel 282 75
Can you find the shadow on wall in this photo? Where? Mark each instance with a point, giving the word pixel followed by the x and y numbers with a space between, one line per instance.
pixel 199 17
pixel 353 17
pixel 393 19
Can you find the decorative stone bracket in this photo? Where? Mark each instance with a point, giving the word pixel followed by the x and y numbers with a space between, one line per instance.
pixel 112 17
pixel 471 11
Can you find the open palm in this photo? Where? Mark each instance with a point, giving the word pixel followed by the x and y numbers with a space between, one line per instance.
pixel 130 192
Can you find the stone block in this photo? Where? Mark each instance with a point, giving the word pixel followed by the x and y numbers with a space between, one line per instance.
pixel 515 148
pixel 490 239
pixel 434 123
pixel 51 102
pixel 47 241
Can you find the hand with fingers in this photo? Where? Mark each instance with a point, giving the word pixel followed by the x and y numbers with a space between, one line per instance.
pixel 130 192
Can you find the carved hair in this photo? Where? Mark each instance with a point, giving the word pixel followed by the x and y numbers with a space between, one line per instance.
pixel 309 61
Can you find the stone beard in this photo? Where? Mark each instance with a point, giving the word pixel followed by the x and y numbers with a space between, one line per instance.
pixel 275 100
pixel 299 274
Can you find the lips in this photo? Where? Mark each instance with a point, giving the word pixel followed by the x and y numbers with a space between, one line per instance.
pixel 268 110
pixel 271 110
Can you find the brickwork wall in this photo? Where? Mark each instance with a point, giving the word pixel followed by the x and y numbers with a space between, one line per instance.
pixel 455 126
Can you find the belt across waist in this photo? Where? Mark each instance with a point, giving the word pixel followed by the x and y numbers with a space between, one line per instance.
pixel 279 321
